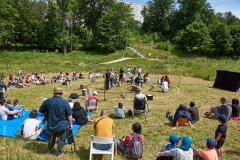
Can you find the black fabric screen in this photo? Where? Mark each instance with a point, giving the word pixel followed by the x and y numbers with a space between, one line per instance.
pixel 227 80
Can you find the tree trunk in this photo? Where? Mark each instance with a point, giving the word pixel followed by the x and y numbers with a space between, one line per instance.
pixel 63 26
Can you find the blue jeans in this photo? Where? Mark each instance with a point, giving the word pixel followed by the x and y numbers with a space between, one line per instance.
pixel 111 81
pixel 121 147
pixel 102 146
pixel 215 111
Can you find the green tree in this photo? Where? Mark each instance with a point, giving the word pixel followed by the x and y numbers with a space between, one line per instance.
pixel 158 15
pixel 111 28
pixel 222 39
pixel 235 33
pixel 195 35
pixel 228 18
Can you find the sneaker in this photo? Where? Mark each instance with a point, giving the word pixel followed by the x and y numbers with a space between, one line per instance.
pixel 60 154
pixel 206 113
pixel 167 113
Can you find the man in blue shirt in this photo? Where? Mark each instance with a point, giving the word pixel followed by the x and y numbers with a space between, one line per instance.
pixel 58 115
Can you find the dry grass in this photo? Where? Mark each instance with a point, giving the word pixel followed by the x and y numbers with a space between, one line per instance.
pixel 156 127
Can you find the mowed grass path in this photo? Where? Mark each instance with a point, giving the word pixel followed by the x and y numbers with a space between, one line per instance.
pixel 156 128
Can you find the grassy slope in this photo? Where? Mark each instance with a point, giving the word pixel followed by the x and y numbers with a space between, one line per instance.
pixel 156 127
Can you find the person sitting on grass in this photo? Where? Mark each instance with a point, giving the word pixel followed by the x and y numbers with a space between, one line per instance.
pixel 125 144
pixel 17 106
pixel 181 112
pixel 209 153
pixel 184 152
pixel 31 128
pixel 223 108
pixel 220 134
pixel 5 114
pixel 174 141
pixel 193 110
pixel 80 115
pixel 164 86
pixel 119 110
pixel 235 108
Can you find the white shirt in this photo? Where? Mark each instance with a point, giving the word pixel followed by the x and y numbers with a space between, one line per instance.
pixel 3 113
pixel 29 128
pixel 179 154
pixel 71 104
pixel 164 85
pixel 139 70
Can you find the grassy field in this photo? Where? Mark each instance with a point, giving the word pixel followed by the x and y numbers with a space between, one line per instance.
pixel 156 128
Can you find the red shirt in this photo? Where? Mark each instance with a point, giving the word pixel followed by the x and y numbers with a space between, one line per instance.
pixel 93 97
pixel 128 142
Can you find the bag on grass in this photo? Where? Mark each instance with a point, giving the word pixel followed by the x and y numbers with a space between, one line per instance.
pixel 70 138
pixel 129 113
pixel 74 96
pixel 137 146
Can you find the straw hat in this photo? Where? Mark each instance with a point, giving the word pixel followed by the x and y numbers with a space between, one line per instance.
pixel 57 90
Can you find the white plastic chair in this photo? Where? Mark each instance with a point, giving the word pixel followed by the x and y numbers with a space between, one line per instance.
pixel 91 104
pixel 102 140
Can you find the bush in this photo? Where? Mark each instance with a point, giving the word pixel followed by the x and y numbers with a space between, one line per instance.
pixel 164 45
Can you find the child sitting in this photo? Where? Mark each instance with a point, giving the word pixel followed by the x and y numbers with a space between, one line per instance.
pixel 174 141
pixel 17 106
pixel 209 153
pixel 119 111
pixel 31 127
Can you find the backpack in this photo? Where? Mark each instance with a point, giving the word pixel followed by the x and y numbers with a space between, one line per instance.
pixel 70 139
pixel 137 146
pixel 73 96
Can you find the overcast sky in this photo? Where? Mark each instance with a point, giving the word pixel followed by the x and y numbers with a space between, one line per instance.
pixel 217 5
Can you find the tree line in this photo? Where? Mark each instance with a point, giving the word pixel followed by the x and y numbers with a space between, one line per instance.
pixel 107 25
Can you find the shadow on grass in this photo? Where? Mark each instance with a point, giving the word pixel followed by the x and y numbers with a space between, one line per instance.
pixel 83 154
pixel 36 147
pixel 232 152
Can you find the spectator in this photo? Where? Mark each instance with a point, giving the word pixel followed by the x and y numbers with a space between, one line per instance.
pixel 209 153
pixel 81 75
pixel 70 102
pixel 103 127
pixel 80 115
pixel 158 81
pixel 58 114
pixel 235 108
pixel 220 134
pixel 139 96
pixel 121 74
pixel 193 110
pixel 181 112
pixel 5 114
pixel 168 80
pixel 97 75
pixel 128 72
pixel 139 71
pixel 223 108
pixel 31 128
pixel 107 79
pixel 112 74
pixel 164 86
pixel 184 152
pixel 134 71
pixel 138 81
pixel 174 141
pixel 119 110
pixel 125 144
pixel 94 96
pixel 146 78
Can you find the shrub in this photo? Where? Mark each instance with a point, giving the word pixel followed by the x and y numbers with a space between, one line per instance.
pixel 164 45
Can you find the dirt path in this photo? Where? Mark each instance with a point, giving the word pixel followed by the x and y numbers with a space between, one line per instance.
pixel 117 60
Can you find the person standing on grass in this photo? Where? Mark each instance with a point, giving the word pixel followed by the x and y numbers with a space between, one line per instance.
pixel 121 74
pixel 107 79
pixel 220 134
pixel 139 71
pixel 58 114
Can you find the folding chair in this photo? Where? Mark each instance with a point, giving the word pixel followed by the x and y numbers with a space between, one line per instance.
pixel 102 140
pixel 91 104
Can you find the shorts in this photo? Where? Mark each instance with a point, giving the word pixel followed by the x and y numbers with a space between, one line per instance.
pixel 102 146
pixel 219 144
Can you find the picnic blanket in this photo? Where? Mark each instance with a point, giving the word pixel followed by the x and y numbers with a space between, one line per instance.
pixel 10 127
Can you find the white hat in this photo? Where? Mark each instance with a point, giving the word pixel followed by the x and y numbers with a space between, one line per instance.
pixel 94 92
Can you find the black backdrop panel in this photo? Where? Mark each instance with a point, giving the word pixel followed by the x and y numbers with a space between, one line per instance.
pixel 232 81
pixel 221 78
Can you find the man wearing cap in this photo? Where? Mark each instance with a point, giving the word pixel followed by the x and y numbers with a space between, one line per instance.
pixel 220 133
pixel 94 96
pixel 174 140
pixel 223 108
pixel 139 96
pixel 209 153
pixel 58 114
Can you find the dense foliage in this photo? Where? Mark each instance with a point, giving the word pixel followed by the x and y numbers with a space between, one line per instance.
pixel 107 25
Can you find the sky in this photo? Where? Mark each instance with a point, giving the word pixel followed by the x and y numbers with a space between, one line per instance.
pixel 217 5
